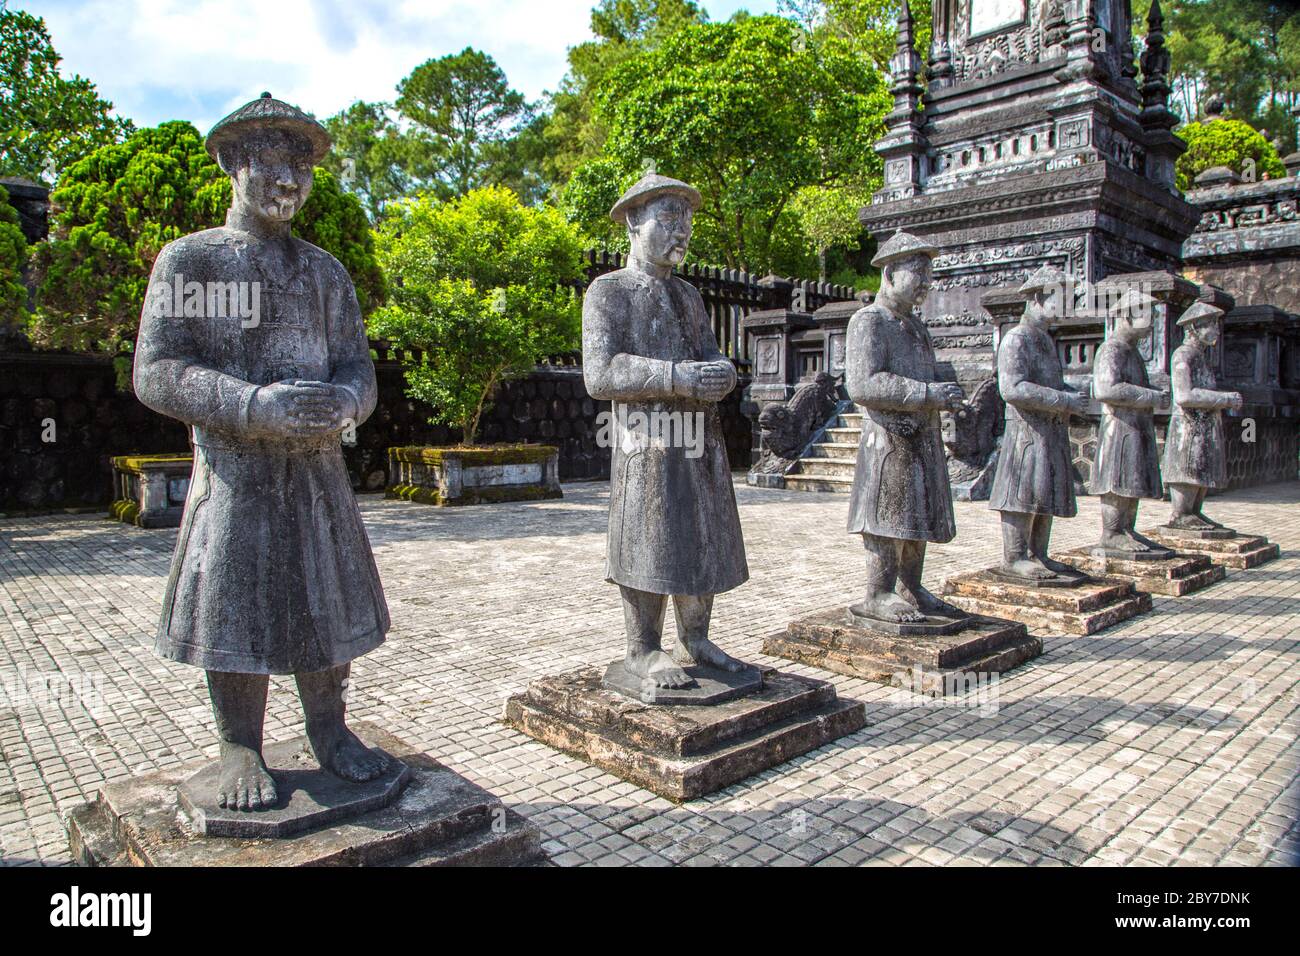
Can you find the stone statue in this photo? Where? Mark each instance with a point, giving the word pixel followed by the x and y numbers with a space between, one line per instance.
pixel 1195 457
pixel 970 435
pixel 648 347
pixel 787 427
pixel 900 498
pixel 1126 468
pixel 272 573
pixel 1035 479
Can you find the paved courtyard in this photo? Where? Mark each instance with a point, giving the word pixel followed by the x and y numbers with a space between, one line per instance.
pixel 1168 739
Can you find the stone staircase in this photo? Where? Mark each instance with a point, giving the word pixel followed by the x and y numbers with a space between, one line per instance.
pixel 829 463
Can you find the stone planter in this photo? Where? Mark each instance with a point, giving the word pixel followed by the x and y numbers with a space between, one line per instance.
pixel 473 476
pixel 150 490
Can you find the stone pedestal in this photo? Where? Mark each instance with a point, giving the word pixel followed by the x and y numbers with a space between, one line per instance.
pixel 1231 550
pixel 150 490
pixel 419 813
pixel 934 663
pixel 472 476
pixel 1173 576
pixel 683 750
pixel 1082 609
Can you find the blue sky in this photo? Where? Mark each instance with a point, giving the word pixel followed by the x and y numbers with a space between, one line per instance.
pixel 198 59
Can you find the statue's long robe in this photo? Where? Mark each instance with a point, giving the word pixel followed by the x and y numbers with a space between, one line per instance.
pixel 673 524
pixel 1194 446
pixel 1034 474
pixel 900 485
pixel 1127 462
pixel 272 572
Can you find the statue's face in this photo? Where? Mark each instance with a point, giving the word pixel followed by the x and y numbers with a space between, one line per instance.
pixel 272 177
pixel 1207 330
pixel 908 280
pixel 660 231
pixel 1133 324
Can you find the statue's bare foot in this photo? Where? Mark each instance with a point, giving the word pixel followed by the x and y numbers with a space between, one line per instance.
pixel 1192 522
pixel 1028 568
pixel 929 603
pixel 1141 543
pixel 245 783
pixel 704 651
pixel 343 754
pixel 1060 568
pixel 655 665
pixel 889 607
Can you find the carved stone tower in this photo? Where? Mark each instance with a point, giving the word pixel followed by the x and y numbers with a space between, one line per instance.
pixel 1036 142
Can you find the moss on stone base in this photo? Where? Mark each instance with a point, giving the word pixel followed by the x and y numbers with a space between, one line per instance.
pixel 126 511
pixel 475 457
pixel 137 463
pixel 491 494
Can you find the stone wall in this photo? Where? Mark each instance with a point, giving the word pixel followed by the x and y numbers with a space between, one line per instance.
pixel 93 421
pixel 1248 241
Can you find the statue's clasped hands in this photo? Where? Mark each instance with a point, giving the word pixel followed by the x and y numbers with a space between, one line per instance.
pixel 944 395
pixel 707 381
pixel 298 409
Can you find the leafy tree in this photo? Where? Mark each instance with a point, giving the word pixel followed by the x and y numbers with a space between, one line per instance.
pixel 45 119
pixel 466 111
pixel 573 133
pixel 1229 143
pixel 115 210
pixel 870 27
pixel 374 158
pixel 829 218
pixel 483 286
pixel 1247 51
pixel 13 257
pixel 750 113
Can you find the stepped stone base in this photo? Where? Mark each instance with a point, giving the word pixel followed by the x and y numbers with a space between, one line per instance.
pixel 682 751
pixel 1173 576
pixel 1239 552
pixel 931 664
pixel 437 819
pixel 1083 609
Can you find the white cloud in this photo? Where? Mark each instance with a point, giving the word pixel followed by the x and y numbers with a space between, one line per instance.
pixel 198 59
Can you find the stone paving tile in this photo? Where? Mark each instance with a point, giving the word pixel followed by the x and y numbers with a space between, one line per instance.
pixel 1168 739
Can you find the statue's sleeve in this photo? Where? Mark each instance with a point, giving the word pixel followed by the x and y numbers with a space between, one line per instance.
pixel 1014 383
pixel 867 377
pixel 169 374
pixel 1109 386
pixel 1187 395
pixel 610 373
pixel 351 369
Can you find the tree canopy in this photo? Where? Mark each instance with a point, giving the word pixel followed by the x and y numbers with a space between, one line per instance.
pixel 1226 142
pixel 483 286
pixel 13 257
pixel 465 110
pixel 47 121
pixel 750 113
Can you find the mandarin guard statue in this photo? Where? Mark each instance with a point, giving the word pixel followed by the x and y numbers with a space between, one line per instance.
pixel 1126 468
pixel 901 498
pixel 273 572
pixel 1034 481
pixel 674 531
pixel 1195 453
